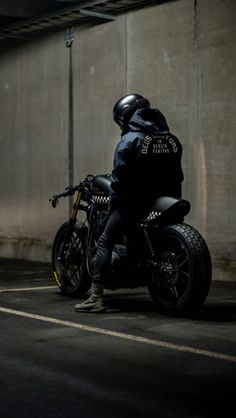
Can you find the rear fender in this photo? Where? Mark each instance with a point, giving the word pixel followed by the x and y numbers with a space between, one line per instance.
pixel 167 209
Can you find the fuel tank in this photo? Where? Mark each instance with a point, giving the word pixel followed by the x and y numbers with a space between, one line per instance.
pixel 101 185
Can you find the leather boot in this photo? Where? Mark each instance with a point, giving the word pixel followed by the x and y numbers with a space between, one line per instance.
pixel 95 302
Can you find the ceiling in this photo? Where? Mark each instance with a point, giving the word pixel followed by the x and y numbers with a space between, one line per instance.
pixel 22 19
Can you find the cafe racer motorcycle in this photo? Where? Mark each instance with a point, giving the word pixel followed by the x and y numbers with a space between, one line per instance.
pixel 174 261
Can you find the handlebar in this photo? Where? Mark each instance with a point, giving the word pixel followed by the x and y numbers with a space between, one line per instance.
pixel 69 191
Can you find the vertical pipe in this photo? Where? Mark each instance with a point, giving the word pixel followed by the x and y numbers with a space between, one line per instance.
pixel 71 127
pixel 69 38
pixel 195 65
pixel 201 193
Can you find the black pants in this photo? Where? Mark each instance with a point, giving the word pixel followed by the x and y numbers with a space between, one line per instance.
pixel 119 223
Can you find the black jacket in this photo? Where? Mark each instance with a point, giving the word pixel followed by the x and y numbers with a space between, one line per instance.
pixel 147 162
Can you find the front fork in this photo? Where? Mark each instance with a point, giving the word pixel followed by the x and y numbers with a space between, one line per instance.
pixel 76 207
pixel 65 253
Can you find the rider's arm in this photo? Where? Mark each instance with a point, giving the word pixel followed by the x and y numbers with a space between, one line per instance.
pixel 122 165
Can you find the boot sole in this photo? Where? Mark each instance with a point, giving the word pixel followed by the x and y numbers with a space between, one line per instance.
pixel 90 310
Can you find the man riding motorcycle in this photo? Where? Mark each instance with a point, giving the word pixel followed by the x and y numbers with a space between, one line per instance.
pixel 147 158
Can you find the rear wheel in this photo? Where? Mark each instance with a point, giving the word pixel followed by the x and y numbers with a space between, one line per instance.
pixel 70 272
pixel 180 277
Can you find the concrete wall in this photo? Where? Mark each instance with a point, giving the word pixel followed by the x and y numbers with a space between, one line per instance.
pixel 33 139
pixel 181 55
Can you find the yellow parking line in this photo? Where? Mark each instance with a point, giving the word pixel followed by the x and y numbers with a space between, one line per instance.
pixel 130 337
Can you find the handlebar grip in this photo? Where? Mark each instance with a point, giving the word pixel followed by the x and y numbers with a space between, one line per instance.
pixel 62 194
pixel 68 192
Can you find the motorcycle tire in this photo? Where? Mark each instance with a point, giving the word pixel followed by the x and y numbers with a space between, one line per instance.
pixel 180 280
pixel 71 275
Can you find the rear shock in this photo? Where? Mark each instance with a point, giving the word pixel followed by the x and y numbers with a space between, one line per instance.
pixel 149 243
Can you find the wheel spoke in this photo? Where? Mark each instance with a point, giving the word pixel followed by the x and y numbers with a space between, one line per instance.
pixel 74 278
pixel 69 261
pixel 174 292
pixel 183 262
pixel 76 247
pixel 177 256
pixel 185 273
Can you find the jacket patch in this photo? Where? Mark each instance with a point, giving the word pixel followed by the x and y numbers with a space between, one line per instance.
pixel 145 144
pixel 158 144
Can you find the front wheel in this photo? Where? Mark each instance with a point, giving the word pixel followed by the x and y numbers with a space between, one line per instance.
pixel 180 277
pixel 70 269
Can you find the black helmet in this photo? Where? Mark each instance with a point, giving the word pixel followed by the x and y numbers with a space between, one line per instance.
pixel 126 106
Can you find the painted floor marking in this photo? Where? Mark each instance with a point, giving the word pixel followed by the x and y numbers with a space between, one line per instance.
pixel 130 337
pixel 24 289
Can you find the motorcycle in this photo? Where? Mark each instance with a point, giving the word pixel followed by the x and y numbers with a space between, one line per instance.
pixel 174 261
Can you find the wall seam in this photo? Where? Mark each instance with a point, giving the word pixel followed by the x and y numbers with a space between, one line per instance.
pixel 127 52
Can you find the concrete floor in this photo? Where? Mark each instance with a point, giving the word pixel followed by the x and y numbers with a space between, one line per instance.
pixel 130 361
